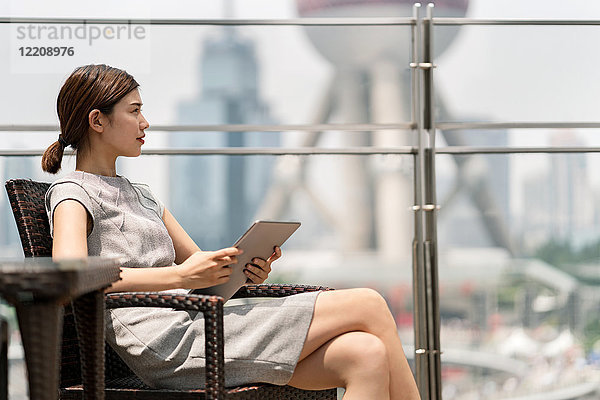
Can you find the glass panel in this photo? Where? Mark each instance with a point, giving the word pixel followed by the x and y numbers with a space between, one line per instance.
pixel 519 73
pixel 355 210
pixel 519 250
pixel 357 223
pixel 222 74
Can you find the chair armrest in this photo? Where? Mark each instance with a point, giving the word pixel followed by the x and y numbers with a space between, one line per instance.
pixel 210 306
pixel 188 302
pixel 275 290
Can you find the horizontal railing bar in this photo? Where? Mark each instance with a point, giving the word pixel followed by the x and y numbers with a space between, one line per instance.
pixel 246 151
pixel 459 150
pixel 237 127
pixel 449 126
pixel 281 128
pixel 304 151
pixel 508 21
pixel 373 21
pixel 323 21
pixel 284 151
pixel 330 127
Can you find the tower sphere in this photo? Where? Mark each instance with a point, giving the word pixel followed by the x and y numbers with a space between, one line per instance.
pixel 360 46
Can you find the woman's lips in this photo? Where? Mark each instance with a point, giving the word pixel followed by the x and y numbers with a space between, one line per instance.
pixel 141 140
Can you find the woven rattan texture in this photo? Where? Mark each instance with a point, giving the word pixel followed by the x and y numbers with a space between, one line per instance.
pixel 275 290
pixel 114 367
pixel 189 302
pixel 70 361
pixel 50 284
pixel 115 390
pixel 90 333
pixel 27 201
pixel 39 325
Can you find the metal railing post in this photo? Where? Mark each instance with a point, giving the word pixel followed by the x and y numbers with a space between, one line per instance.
pixel 419 300
pixel 425 267
pixel 431 255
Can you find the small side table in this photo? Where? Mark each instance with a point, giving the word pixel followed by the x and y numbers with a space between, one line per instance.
pixel 39 288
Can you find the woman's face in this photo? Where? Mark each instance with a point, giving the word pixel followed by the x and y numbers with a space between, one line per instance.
pixel 124 128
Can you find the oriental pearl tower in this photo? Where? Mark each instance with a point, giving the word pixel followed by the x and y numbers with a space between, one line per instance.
pixel 372 85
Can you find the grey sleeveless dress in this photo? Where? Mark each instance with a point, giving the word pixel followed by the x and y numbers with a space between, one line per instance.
pixel 165 348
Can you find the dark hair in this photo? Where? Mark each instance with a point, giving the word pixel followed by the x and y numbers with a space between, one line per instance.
pixel 89 87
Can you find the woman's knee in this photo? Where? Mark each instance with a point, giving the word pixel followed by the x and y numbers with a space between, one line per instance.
pixel 348 310
pixel 375 313
pixel 372 299
pixel 367 354
pixel 353 358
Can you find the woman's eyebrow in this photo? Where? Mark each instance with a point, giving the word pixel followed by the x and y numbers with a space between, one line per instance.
pixel 136 104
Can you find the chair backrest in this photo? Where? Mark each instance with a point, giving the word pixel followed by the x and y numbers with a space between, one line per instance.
pixel 27 202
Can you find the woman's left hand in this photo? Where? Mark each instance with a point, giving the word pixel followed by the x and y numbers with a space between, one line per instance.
pixel 258 270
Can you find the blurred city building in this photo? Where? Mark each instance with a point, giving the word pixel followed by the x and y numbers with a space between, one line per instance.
pixel 559 200
pixel 215 197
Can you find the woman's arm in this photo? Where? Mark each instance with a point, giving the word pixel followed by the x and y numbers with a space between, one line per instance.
pixel 70 223
pixel 199 269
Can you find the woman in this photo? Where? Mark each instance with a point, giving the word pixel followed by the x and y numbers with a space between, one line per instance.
pixel 343 338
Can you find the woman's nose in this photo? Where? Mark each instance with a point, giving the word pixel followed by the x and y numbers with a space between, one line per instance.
pixel 144 124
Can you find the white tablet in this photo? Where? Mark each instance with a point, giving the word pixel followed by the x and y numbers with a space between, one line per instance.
pixel 258 241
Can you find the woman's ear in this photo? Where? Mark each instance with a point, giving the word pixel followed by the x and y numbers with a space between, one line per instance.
pixel 95 120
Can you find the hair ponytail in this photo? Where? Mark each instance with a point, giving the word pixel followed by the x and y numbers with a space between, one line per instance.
pixel 52 158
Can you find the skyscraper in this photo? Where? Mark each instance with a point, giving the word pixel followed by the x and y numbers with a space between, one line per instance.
pixel 559 201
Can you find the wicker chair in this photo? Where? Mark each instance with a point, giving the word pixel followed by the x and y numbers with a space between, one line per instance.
pixel 27 201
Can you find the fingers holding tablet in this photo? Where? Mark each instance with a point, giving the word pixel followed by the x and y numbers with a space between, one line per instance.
pixel 261 247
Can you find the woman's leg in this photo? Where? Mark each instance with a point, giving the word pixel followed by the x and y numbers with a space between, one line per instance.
pixel 357 361
pixel 361 310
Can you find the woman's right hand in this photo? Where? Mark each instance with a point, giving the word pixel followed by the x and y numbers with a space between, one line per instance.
pixel 207 268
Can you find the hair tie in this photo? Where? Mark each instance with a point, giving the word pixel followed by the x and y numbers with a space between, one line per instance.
pixel 62 141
